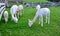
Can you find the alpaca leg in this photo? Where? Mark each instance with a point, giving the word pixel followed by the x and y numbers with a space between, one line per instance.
pixel 22 12
pixel 15 15
pixel 6 19
pixel 48 19
pixel 18 15
pixel 41 20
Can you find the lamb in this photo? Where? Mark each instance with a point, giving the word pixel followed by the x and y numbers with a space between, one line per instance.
pixel 6 16
pixel 40 13
pixel 20 7
pixel 14 10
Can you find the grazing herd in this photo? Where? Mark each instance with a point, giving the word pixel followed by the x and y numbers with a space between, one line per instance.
pixel 17 11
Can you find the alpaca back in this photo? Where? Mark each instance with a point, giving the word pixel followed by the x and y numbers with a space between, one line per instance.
pixel 14 9
pixel 43 11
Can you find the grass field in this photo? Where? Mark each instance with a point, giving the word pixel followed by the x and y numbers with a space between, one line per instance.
pixel 36 0
pixel 22 28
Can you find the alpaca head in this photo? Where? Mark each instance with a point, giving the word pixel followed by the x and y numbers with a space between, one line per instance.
pixel 20 7
pixel 30 23
pixel 38 7
pixel 15 19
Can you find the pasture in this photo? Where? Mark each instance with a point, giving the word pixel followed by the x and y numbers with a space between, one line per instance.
pixel 22 29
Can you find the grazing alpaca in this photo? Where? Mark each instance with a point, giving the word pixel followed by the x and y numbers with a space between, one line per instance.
pixel 14 10
pixel 20 7
pixel 40 13
pixel 6 16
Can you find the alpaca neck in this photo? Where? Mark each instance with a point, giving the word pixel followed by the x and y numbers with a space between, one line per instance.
pixel 38 9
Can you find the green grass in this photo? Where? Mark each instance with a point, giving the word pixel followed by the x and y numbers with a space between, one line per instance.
pixel 22 28
pixel 35 0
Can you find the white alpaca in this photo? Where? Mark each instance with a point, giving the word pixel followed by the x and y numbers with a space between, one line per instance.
pixel 15 19
pixel 20 7
pixel 40 13
pixel 6 16
pixel 13 10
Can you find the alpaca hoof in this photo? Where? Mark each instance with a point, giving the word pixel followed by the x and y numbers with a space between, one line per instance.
pixel 29 26
pixel 42 25
pixel 48 23
pixel 45 22
pixel 39 22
